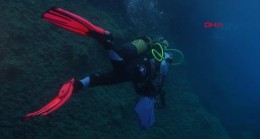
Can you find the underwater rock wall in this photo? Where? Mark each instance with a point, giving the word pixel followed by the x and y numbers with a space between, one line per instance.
pixel 145 14
pixel 36 58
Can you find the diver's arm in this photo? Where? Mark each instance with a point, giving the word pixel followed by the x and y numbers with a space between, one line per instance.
pixel 163 72
pixel 160 92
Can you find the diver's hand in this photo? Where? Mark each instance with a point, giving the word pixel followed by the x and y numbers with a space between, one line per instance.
pixel 160 101
pixel 169 60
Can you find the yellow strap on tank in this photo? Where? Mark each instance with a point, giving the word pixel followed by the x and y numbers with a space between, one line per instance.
pixel 159 56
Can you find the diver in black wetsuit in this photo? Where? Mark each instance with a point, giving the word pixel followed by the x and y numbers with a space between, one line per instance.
pixel 141 61
pixel 135 63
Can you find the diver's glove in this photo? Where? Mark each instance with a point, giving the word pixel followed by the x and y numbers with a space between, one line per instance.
pixel 168 58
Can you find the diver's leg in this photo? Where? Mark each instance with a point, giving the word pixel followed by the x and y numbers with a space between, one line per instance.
pixel 107 43
pixel 112 77
pixel 106 40
pixel 102 79
pixel 113 55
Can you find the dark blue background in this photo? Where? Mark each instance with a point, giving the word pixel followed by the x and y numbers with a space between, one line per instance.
pixel 223 63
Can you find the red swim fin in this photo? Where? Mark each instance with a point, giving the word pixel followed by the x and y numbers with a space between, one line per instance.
pixel 63 96
pixel 71 22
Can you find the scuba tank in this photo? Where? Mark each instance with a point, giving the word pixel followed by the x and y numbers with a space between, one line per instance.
pixel 142 45
pixel 135 49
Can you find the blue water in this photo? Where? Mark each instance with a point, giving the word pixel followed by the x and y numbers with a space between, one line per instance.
pixel 223 63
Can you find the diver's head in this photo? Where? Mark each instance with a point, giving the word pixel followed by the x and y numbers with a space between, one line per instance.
pixel 163 42
pixel 160 44
pixel 161 51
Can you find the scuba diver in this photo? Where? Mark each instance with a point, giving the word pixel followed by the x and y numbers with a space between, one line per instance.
pixel 142 61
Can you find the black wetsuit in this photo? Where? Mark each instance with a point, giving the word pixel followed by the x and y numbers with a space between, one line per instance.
pixel 146 74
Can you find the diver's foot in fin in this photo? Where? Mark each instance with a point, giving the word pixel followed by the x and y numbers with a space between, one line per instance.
pixel 77 86
pixel 77 24
pixel 72 22
pixel 106 39
pixel 63 96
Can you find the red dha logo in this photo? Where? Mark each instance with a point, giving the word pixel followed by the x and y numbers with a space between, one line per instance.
pixel 210 24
